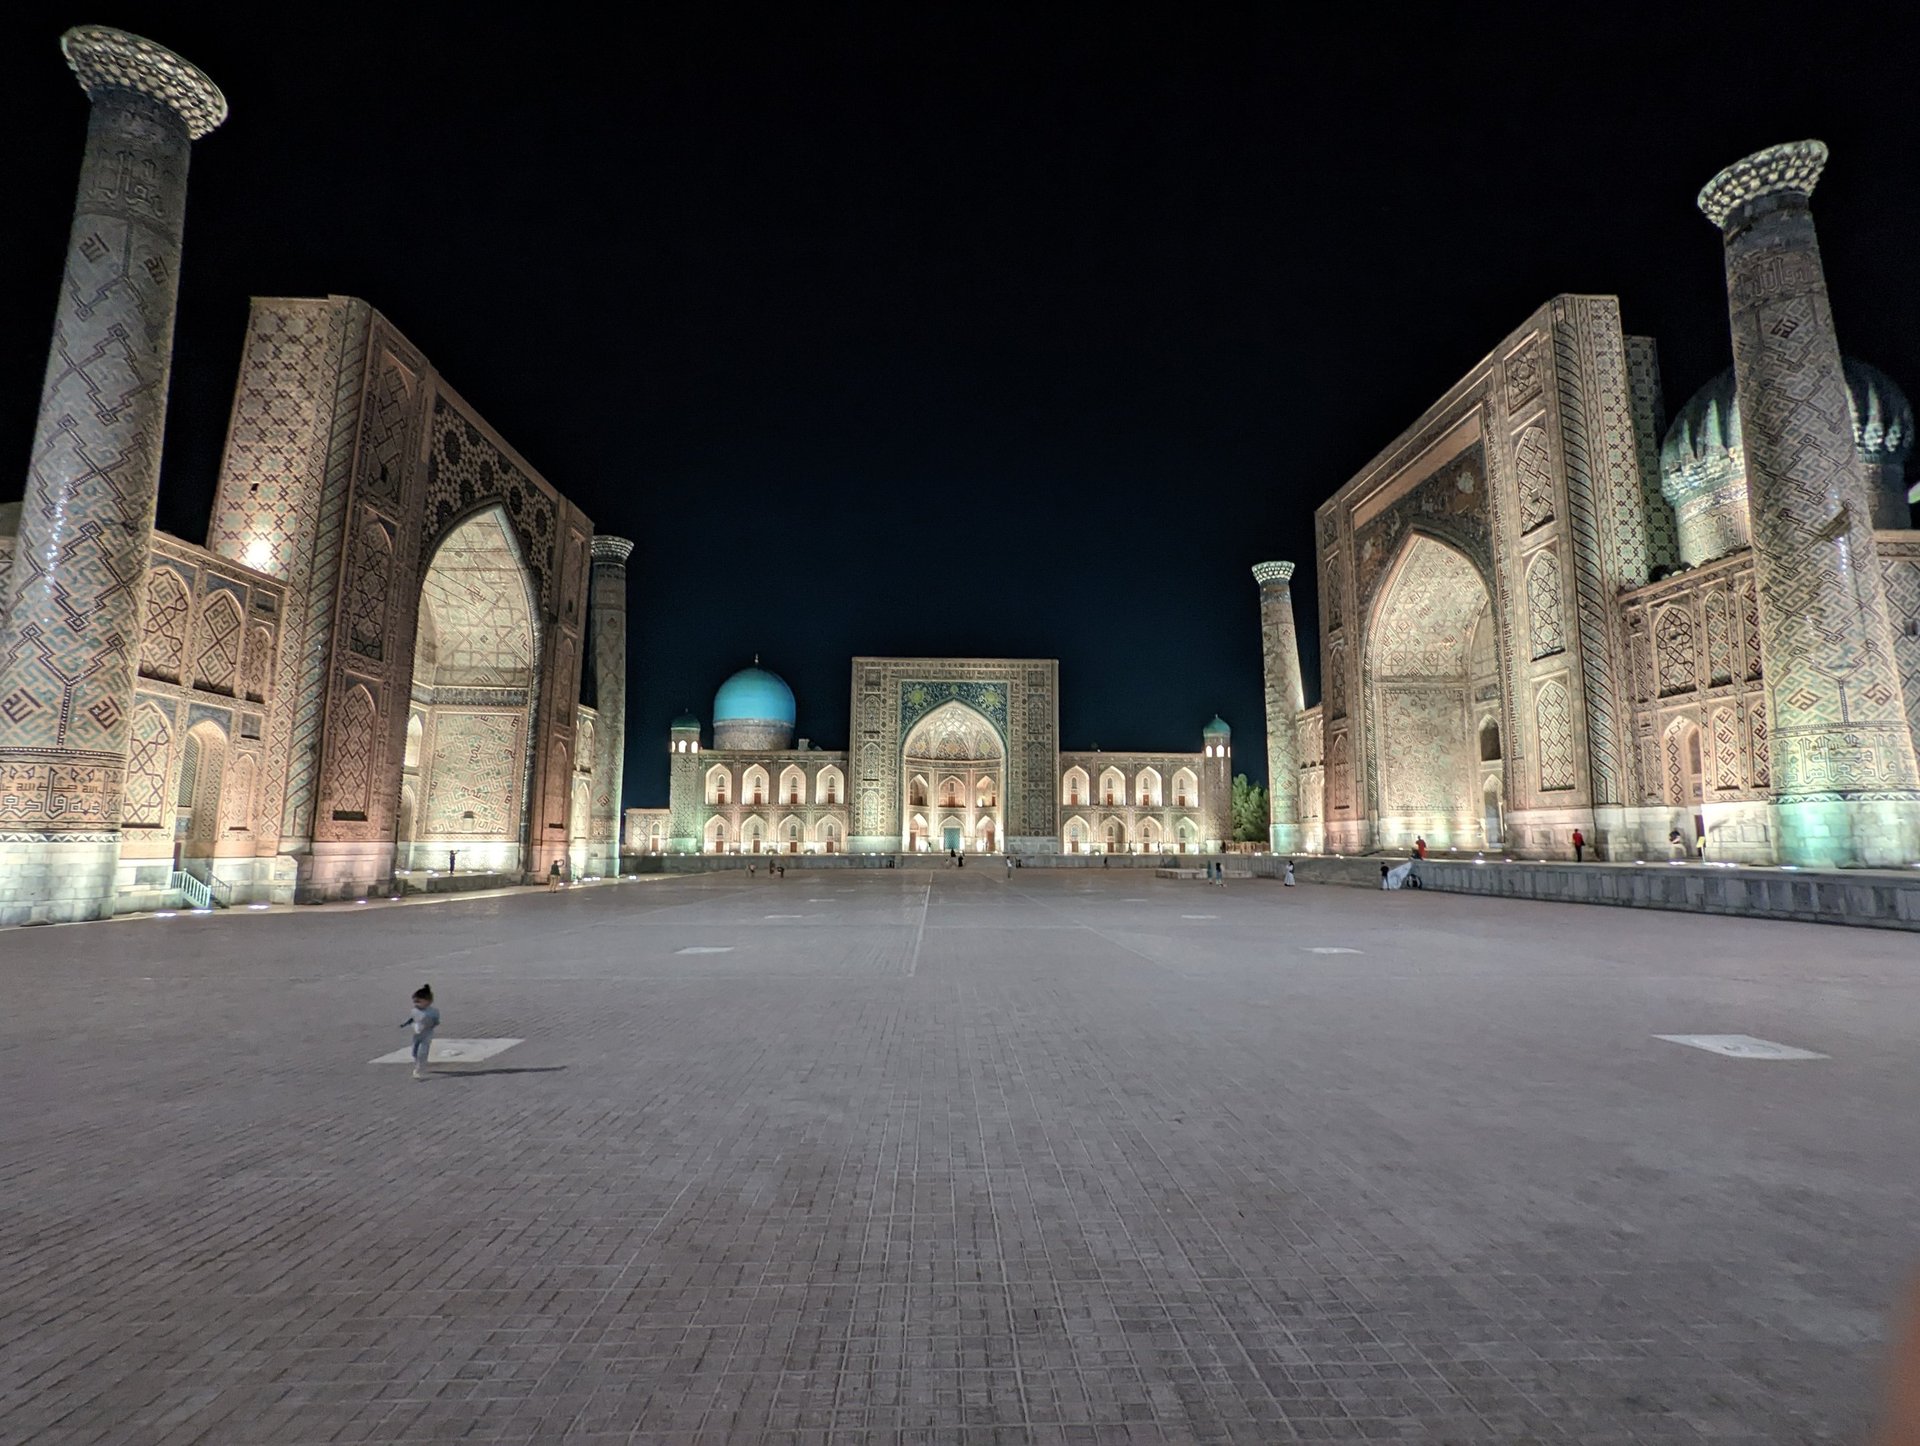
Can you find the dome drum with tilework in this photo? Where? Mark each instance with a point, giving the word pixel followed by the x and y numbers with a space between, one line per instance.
pixel 754 709
pixel 1703 463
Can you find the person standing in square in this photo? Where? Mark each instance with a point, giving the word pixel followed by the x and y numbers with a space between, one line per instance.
pixel 424 1020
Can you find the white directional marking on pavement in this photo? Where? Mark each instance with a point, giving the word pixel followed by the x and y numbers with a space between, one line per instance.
pixel 1741 1046
pixel 452 1051
pixel 706 949
pixel 1332 949
pixel 1199 916
pixel 784 916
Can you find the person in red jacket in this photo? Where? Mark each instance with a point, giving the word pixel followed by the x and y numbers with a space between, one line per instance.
pixel 1419 848
pixel 1579 845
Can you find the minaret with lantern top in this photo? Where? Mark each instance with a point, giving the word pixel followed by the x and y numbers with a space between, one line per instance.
pixel 683 786
pixel 1216 786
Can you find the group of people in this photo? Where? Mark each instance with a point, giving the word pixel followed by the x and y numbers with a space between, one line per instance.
pixel 1676 842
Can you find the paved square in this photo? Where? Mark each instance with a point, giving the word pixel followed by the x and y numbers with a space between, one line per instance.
pixel 952 1158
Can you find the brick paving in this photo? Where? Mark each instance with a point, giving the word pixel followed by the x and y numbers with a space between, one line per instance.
pixel 953 1159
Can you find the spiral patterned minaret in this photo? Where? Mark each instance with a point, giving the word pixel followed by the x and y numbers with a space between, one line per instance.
pixel 1280 653
pixel 1844 775
pixel 607 641
pixel 71 633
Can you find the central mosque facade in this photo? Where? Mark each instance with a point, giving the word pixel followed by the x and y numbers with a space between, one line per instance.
pixel 956 755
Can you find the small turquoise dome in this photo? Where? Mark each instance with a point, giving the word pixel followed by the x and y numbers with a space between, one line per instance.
pixel 754 695
pixel 685 720
pixel 1217 728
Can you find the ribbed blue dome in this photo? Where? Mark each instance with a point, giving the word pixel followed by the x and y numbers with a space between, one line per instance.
pixel 754 695
pixel 1217 728
pixel 1708 426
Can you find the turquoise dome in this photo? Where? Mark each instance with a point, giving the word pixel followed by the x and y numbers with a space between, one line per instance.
pixel 1708 427
pixel 754 695
pixel 685 720
pixel 1217 728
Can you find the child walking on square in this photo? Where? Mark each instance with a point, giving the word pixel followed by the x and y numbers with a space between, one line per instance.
pixel 424 1019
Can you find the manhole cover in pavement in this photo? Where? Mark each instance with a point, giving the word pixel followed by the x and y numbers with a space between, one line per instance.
pixel 1741 1046
pixel 452 1051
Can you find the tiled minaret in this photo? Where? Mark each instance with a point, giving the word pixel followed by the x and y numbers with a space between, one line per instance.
pixel 683 786
pixel 1844 776
pixel 607 638
pixel 1216 785
pixel 70 639
pixel 1280 652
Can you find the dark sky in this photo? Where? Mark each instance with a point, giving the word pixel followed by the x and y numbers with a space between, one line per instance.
pixel 966 332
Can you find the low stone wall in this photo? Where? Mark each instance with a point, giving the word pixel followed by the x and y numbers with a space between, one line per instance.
pixel 1878 900
pixel 716 863
pixel 422 882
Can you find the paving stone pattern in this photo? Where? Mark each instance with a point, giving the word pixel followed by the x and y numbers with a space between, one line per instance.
pixel 952 1159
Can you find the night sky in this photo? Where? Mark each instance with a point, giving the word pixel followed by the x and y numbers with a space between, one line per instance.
pixel 882 332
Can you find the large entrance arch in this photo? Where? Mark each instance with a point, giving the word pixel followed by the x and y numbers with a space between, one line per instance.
pixel 960 753
pixel 1433 700
pixel 475 685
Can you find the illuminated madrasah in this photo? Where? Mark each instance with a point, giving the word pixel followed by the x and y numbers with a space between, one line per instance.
pixel 1539 615
pixel 400 644
pixel 948 755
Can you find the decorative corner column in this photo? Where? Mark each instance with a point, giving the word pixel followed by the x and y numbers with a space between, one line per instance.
pixel 1280 653
pixel 71 637
pixel 1844 777
pixel 607 622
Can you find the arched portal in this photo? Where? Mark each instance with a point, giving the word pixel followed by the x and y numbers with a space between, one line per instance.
pixel 1432 675
pixel 957 746
pixel 196 816
pixel 407 822
pixel 1685 787
pixel 1075 790
pixel 475 671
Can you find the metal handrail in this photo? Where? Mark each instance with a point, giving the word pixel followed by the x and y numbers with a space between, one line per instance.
pixel 193 892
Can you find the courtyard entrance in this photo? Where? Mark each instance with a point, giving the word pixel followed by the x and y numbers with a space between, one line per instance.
pixel 1434 704
pixel 954 758
pixel 464 779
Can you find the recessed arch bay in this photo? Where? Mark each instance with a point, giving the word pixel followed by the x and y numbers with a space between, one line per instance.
pixel 475 670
